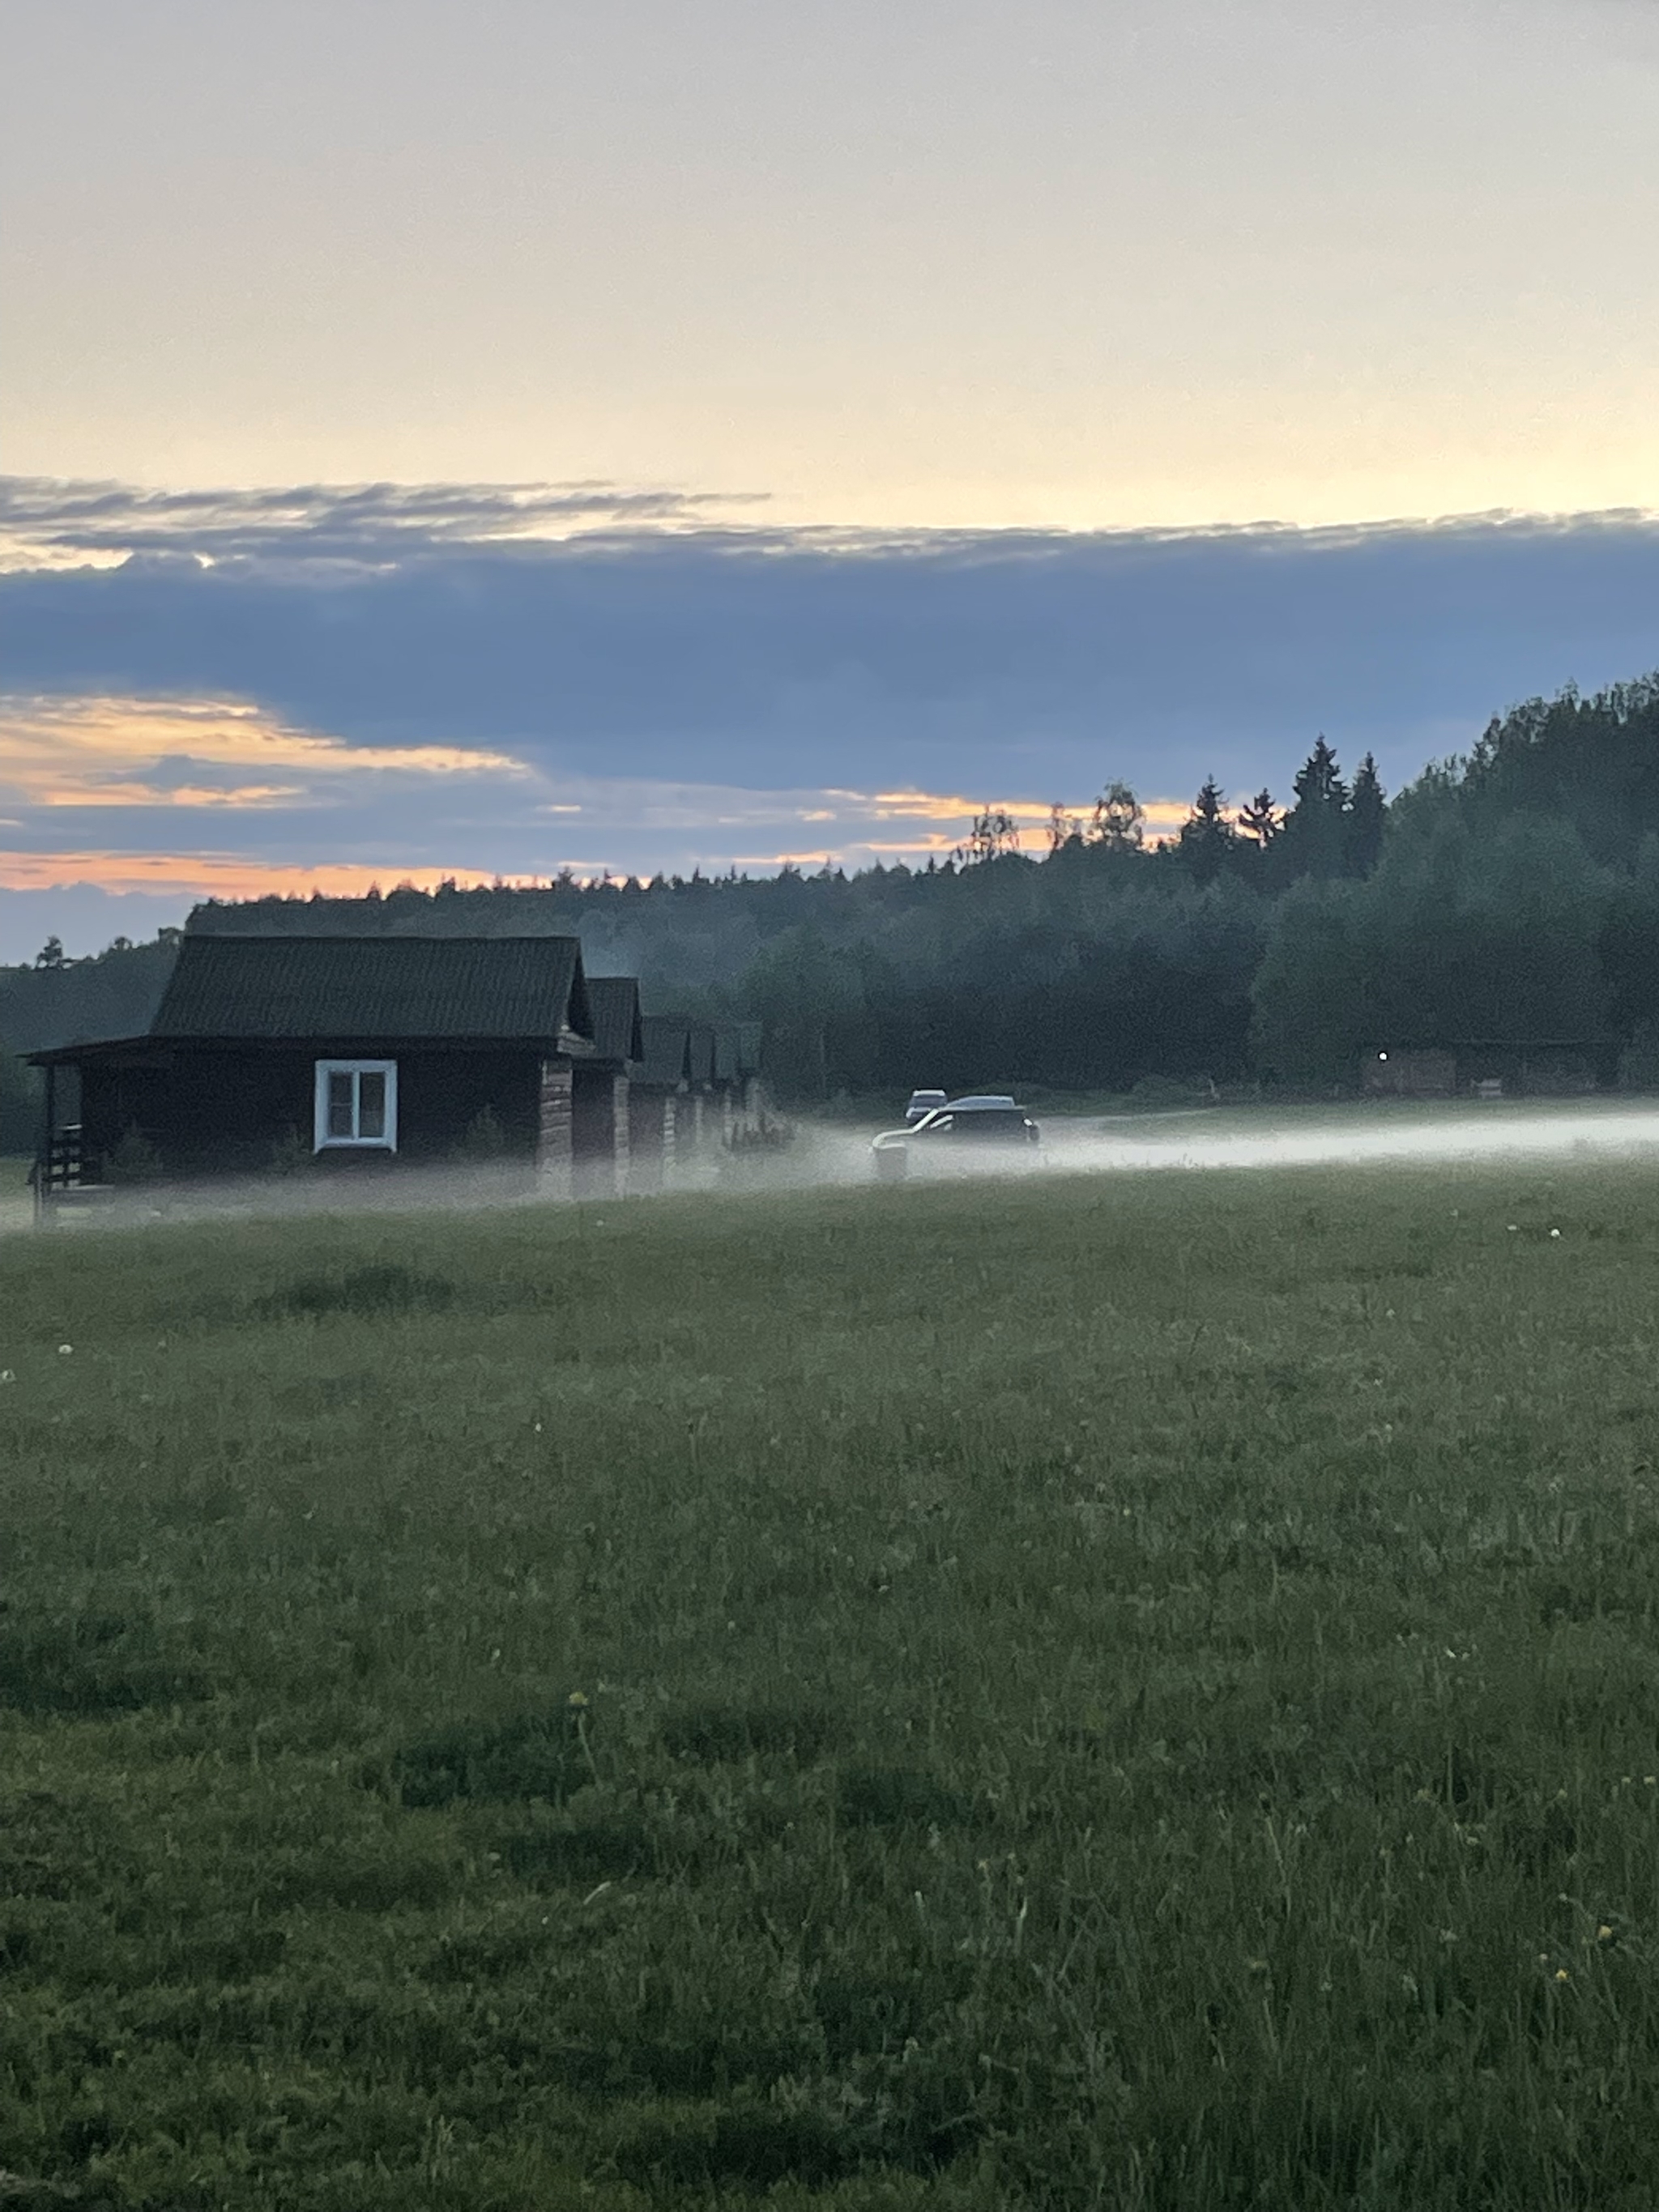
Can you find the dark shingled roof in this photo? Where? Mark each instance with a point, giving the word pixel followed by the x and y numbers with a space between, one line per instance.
pixel 701 1036
pixel 737 1050
pixel 615 1001
pixel 667 1055
pixel 276 986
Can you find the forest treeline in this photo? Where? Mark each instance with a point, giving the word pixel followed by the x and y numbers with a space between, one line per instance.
pixel 1512 895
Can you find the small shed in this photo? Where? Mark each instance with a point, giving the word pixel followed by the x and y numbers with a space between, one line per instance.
pixel 1404 1071
pixel 737 1072
pixel 659 1089
pixel 601 1088
pixel 353 1052
pixel 1543 1067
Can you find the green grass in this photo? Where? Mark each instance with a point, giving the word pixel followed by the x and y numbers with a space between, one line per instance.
pixel 1114 1693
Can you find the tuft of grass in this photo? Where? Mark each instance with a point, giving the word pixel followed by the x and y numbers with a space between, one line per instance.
pixel 379 1287
pixel 533 1755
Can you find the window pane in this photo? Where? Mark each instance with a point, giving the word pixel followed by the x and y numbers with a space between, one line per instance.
pixel 371 1104
pixel 341 1089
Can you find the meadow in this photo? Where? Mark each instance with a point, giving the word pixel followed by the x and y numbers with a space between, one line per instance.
pixel 1101 1692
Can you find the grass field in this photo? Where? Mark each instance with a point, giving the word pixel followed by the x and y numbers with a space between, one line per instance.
pixel 1116 1693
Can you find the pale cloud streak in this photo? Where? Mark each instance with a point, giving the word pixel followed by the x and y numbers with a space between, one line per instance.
pixel 46 522
pixel 190 876
pixel 98 752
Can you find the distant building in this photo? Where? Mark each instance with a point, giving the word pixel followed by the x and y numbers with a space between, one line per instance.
pixel 601 1089
pixel 1538 1067
pixel 1404 1073
pixel 697 1082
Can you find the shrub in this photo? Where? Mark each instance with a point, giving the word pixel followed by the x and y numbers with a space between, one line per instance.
pixel 381 1288
pixel 134 1161
pixel 750 1139
pixel 290 1154
pixel 1155 1090
pixel 1639 1063
pixel 485 1139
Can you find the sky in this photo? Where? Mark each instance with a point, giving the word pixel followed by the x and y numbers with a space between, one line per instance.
pixel 477 440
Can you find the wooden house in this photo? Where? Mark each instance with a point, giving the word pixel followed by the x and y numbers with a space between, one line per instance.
pixel 659 1114
pixel 737 1074
pixel 346 1052
pixel 601 1088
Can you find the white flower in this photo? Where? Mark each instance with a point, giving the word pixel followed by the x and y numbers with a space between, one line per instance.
pixel 66 1347
pixel 6 1374
pixel 1555 1232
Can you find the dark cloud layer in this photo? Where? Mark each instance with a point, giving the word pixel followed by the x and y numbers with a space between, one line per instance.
pixel 1007 662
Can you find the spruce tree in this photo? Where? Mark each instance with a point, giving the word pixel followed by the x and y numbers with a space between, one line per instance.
pixel 1207 840
pixel 1367 812
pixel 1314 839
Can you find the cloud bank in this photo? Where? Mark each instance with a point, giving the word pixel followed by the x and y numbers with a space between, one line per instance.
pixel 482 679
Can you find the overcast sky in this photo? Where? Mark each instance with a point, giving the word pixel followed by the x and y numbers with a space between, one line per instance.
pixel 739 276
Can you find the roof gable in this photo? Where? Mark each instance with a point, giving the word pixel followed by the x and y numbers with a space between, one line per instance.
pixel 295 985
pixel 701 1038
pixel 615 1001
pixel 667 1050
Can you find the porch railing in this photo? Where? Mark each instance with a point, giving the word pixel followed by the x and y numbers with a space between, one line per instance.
pixel 64 1174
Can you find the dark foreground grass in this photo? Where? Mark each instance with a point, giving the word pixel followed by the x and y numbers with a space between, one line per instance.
pixel 1111 1694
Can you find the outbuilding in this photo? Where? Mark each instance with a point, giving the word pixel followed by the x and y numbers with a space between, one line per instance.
pixel 602 1086
pixel 658 1107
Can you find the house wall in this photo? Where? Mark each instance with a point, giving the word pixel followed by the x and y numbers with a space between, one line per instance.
pixel 221 1110
pixel 553 1137
pixel 599 1131
pixel 651 1138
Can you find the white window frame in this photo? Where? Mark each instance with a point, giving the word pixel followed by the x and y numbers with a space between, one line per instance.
pixel 322 1142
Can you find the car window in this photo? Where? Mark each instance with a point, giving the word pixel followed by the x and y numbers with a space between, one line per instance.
pixel 993 1124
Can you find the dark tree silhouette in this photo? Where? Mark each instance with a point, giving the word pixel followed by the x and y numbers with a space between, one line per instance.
pixel 1259 818
pixel 1367 813
pixel 1208 841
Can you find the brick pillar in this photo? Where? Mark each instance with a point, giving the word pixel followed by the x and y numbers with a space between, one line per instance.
pixel 553 1152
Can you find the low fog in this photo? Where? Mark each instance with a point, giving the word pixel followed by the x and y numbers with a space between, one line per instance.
pixel 826 1156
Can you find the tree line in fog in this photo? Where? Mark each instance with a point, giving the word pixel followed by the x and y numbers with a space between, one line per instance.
pixel 1511 895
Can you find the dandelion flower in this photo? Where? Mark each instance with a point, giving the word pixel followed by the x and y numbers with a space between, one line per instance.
pixel 1604 1933
pixel 577 1697
pixel 1562 1975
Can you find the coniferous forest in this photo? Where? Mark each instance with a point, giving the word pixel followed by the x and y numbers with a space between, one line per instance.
pixel 1509 895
